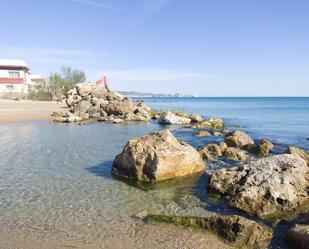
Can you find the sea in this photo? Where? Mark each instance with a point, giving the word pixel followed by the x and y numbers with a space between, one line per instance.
pixel 57 191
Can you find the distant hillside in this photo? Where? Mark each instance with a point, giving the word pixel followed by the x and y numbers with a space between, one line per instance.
pixel 140 94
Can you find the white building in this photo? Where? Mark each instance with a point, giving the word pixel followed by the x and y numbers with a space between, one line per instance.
pixel 15 77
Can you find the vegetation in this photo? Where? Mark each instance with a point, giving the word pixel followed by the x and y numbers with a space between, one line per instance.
pixel 57 84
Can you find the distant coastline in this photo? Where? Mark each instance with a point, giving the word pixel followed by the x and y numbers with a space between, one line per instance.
pixel 159 95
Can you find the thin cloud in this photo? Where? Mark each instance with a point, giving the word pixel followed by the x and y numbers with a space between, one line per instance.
pixel 50 56
pixel 94 4
pixel 154 75
pixel 151 7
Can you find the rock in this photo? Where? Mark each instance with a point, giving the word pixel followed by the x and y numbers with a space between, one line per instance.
pixel 98 93
pixel 169 118
pixel 202 134
pixel 70 119
pixel 157 156
pixel 137 117
pixel 118 107
pixel 298 237
pixel 196 118
pixel 209 151
pixel 238 139
pixel 265 187
pixel 70 101
pixel 83 90
pixel 217 134
pixel 262 149
pixel 223 147
pixel 235 154
pixel 82 107
pixel 182 114
pixel 60 113
pixel 239 231
pixel 299 152
pixel 214 123
pixel 95 115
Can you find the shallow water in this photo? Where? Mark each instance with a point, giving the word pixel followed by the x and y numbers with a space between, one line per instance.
pixel 56 185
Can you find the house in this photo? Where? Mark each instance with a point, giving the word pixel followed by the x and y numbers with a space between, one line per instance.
pixel 15 77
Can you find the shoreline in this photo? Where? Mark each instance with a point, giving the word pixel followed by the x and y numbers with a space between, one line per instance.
pixel 12 111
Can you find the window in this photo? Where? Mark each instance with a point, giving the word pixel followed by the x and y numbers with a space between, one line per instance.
pixel 10 87
pixel 14 74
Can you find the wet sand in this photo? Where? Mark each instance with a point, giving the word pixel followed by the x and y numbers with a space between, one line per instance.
pixel 139 236
pixel 12 111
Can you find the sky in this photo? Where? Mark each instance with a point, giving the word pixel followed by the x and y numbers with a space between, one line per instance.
pixel 199 47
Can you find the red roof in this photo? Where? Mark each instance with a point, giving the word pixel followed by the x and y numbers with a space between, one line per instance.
pixel 11 80
pixel 13 67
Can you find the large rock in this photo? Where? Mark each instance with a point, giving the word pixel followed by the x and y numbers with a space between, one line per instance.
pixel 299 152
pixel 157 156
pixel 169 118
pixel 238 139
pixel 239 231
pixel 196 118
pixel 118 107
pixel 265 187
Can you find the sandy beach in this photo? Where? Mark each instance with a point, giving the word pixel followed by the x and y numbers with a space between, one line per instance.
pixel 12 111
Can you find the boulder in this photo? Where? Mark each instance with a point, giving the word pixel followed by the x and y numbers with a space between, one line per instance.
pixel 118 107
pixel 202 134
pixel 238 139
pixel 82 107
pixel 169 118
pixel 299 152
pixel 210 151
pixel 265 187
pixel 196 118
pixel 214 123
pixel 157 156
pixel 239 231
pixel 235 154
pixel 298 237
pixel 262 149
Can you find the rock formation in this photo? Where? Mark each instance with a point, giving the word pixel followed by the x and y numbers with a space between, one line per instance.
pixel 157 156
pixel 91 102
pixel 267 186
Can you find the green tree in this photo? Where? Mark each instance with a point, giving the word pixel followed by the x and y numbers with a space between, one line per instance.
pixel 61 82
pixel 40 91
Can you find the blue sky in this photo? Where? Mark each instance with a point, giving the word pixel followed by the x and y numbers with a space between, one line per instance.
pixel 202 47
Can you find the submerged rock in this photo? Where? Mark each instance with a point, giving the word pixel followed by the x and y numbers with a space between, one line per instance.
pixel 235 154
pixel 299 152
pixel 203 134
pixel 213 123
pixel 169 118
pixel 239 231
pixel 238 139
pixel 157 156
pixel 298 237
pixel 264 187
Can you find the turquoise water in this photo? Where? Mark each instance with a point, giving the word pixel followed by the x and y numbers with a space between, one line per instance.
pixel 55 179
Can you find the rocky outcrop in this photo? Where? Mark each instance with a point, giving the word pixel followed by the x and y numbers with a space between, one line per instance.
pixel 196 118
pixel 92 102
pixel 169 118
pixel 238 139
pixel 212 123
pixel 299 152
pixel 157 156
pixel 239 231
pixel 265 187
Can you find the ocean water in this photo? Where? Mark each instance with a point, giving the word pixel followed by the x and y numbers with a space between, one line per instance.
pixel 57 191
